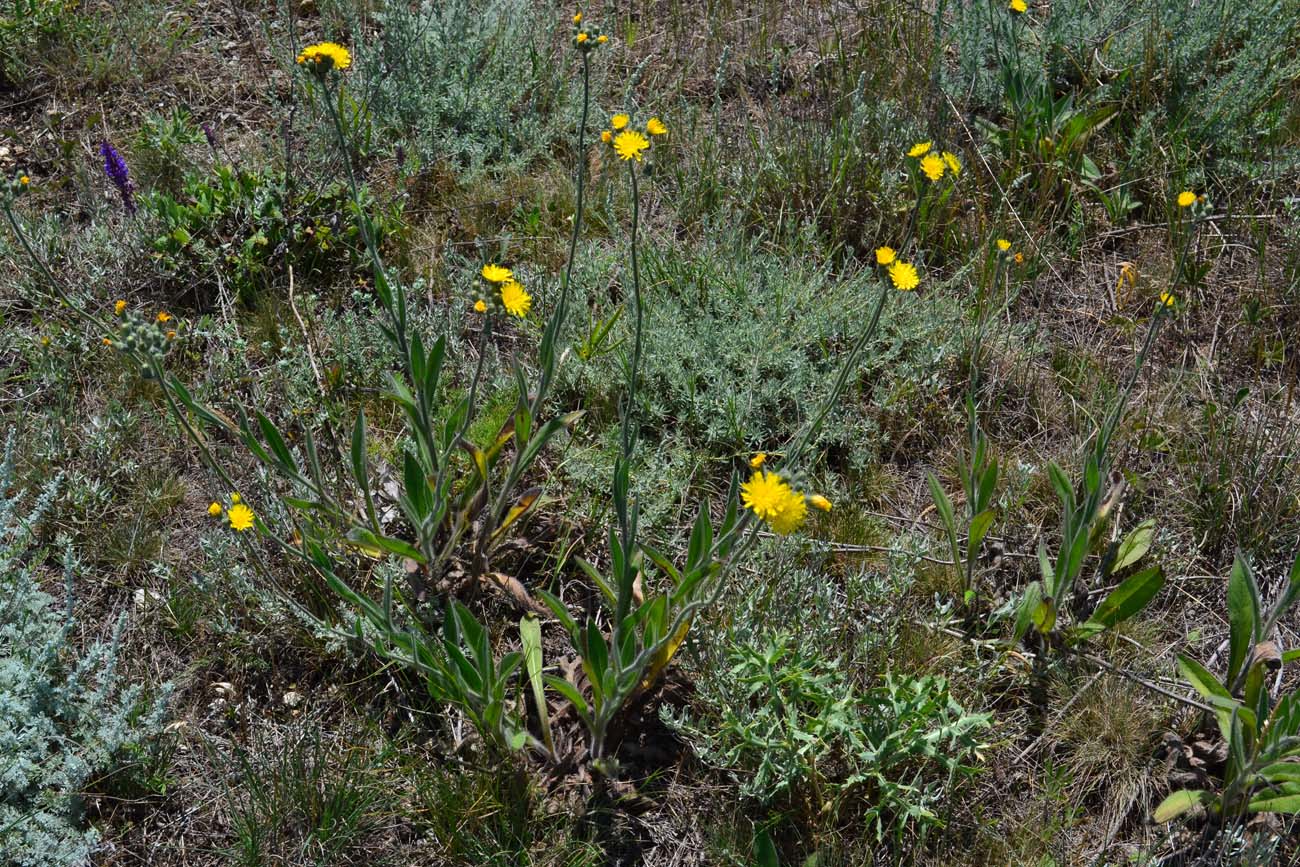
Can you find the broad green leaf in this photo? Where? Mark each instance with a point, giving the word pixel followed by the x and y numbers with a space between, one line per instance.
pixel 1135 545
pixel 979 526
pixel 1028 604
pixel 1178 803
pixel 1129 597
pixel 530 639
pixel 1243 616
pixel 1281 772
pixel 1275 804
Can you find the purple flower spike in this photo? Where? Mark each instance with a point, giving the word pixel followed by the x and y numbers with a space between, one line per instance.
pixel 115 168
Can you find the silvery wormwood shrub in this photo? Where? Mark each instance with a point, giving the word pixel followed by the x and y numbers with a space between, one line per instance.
pixel 63 722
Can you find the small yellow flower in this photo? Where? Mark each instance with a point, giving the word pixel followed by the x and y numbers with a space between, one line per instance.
pixel 758 460
pixel 606 136
pixel 1167 299
pixel 629 144
pixel 769 497
pixel 1004 245
pixel 171 335
pixel 24 180
pixel 119 307
pixel 904 276
pixel 214 510
pixel 1186 199
pixel 1020 258
pixel 234 498
pixel 933 166
pixel 325 56
pixel 241 517
pixel 954 164
pixel 164 316
pixel 655 126
pixel 45 340
pixel 480 306
pixel 919 149
pixel 819 502
pixel 602 39
pixel 577 18
pixel 515 299
pixel 582 37
pixel 619 121
pixel 106 341
pixel 496 274
pixel 885 255
pixel 1018 6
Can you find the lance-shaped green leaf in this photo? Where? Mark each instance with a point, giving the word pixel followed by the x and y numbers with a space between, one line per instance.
pixel 1177 803
pixel 1126 600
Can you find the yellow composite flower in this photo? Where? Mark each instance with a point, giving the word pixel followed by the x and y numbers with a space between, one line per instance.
pixel 933 166
pixel 820 502
pixel 619 121
pixel 792 516
pixel 602 39
pixel 515 299
pixel 904 276
pixel 1018 6
pixel 241 517
pixel 758 460
pixel 234 498
pixel 164 316
pixel 326 55
pixel 577 18
pixel 1004 245
pixel 769 497
pixel 495 273
pixel 214 510
pixel 655 126
pixel 1186 199
pixel 885 255
pixel 480 306
pixel 119 307
pixel 629 144
pixel 582 37
pixel 606 136
pixel 1020 258
pixel 954 164
pixel 919 149
pixel 24 180
pixel 1167 299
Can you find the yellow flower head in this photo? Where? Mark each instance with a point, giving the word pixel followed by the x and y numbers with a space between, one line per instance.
pixel 325 56
pixel 214 510
pixel 1004 245
pixel 1167 299
pixel 919 149
pixel 954 164
pixel 885 255
pixel 234 498
pixel 619 121
pixel 933 166
pixel 480 306
pixel 241 517
pixel 904 276
pixel 629 144
pixel 24 180
pixel 515 299
pixel 769 497
pixel 1018 6
pixel 602 39
pixel 577 18
pixel 606 136
pixel 582 37
pixel 819 502
pixel 1186 199
pixel 164 316
pixel 106 341
pixel 495 273
pixel 45 340
pixel 655 126
pixel 758 460
pixel 171 335
pixel 119 307
pixel 1020 258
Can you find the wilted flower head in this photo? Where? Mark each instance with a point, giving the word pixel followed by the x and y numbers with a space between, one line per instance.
pixel 115 168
